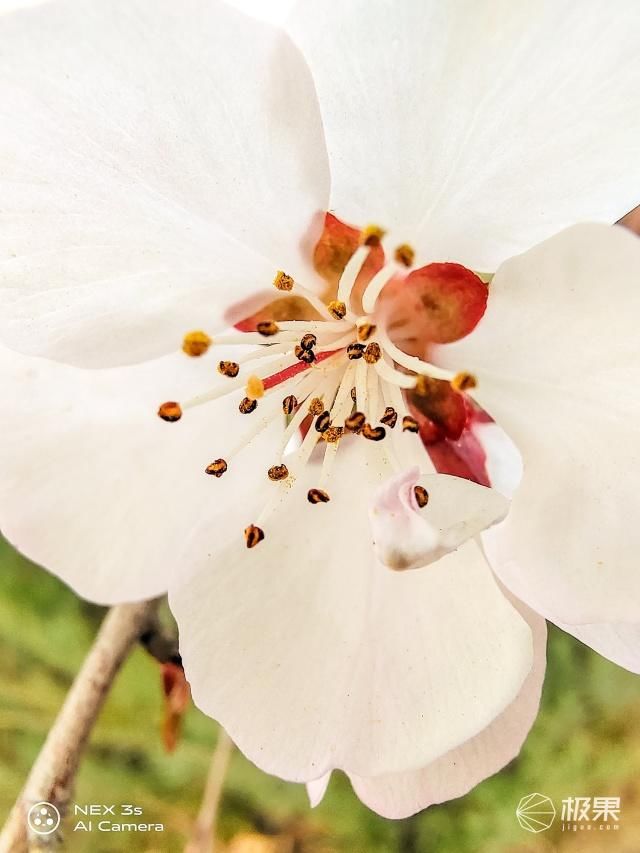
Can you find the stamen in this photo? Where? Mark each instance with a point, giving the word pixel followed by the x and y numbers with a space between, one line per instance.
pixel 282 281
pixel 317 496
pixel 353 394
pixel 351 273
pixel 247 406
pixel 411 362
pixel 278 472
pixel 254 387
pixel 375 286
pixel 216 468
pixel 229 368
pixel 393 376
pixel 421 495
pixel 355 422
pixel 372 235
pixel 316 406
pixel 306 355
pixel 253 535
pixel 355 351
pixel 170 411
pixel 390 417
pixel 463 381
pixel 373 353
pixel 373 433
pixel 267 328
pixel 196 343
pixel 289 404
pixel 323 422
pixel 405 255
pixel 333 434
pixel 308 341
pixel 365 330
pixel 337 309
pixel 409 424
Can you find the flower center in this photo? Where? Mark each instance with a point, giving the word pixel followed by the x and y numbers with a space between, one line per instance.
pixel 337 376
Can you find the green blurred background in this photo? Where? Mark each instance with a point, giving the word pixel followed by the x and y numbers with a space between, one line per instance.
pixel 586 742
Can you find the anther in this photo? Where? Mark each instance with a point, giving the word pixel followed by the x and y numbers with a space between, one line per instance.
pixel 267 328
pixel 333 434
pixel 337 309
pixel 308 341
pixel 405 255
pixel 316 406
pixel 196 343
pixel 323 422
pixel 317 496
pixel 306 355
pixel 365 331
pixel 170 412
pixel 409 424
pixel 247 406
pixel 353 394
pixel 373 433
pixel 229 368
pixel 372 353
pixel 217 468
pixel 254 388
pixel 421 495
pixel 390 417
pixel 355 422
pixel 278 472
pixel 372 235
pixel 355 350
pixel 253 535
pixel 289 404
pixel 282 281
pixel 463 382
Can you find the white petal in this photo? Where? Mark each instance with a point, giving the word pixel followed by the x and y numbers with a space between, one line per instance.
pixel 399 795
pixel 317 788
pixel 268 10
pixel 557 361
pixel 619 643
pixel 406 536
pixel 96 488
pixel 159 163
pixel 472 127
pixel 503 460
pixel 312 656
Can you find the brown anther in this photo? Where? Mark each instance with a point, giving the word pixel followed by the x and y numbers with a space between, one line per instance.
pixel 405 255
pixel 254 387
pixel 337 309
pixel 355 422
pixel 316 406
pixel 170 412
pixel 317 496
pixel 278 472
pixel 308 341
pixel 463 381
pixel 306 355
pixel 409 424
pixel 365 331
pixel 390 417
pixel 282 281
pixel 373 353
pixel 323 422
pixel 267 328
pixel 247 406
pixel 333 434
pixel 217 468
pixel 228 368
pixel 421 495
pixel 253 535
pixel 373 433
pixel 355 350
pixel 372 235
pixel 289 404
pixel 196 343
pixel 353 394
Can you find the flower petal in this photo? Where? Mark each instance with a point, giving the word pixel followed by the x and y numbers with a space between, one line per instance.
pixel 159 165
pixel 557 363
pixel 409 537
pixel 313 657
pixel 470 127
pixel 400 795
pixel 617 642
pixel 100 491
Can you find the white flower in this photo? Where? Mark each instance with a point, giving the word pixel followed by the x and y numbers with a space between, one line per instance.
pixel 160 164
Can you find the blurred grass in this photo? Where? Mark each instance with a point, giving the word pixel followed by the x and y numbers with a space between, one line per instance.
pixel 586 742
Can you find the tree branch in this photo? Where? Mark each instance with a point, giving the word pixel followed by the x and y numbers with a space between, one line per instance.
pixel 204 830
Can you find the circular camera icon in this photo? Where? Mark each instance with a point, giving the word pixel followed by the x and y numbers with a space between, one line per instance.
pixel 43 818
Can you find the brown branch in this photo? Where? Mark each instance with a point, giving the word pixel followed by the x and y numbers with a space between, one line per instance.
pixel 52 776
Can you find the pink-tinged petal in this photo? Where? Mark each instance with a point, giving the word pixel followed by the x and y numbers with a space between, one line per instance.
pixel 468 128
pixel 99 490
pixel 400 795
pixel 408 535
pixel 160 162
pixel 334 248
pixel 312 656
pixel 440 411
pixel 557 363
pixel 317 788
pixel 617 642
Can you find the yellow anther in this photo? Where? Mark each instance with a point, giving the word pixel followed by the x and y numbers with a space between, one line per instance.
pixel 254 388
pixel 405 255
pixel 372 234
pixel 463 381
pixel 365 330
pixel 196 343
pixel 282 281
pixel 337 309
